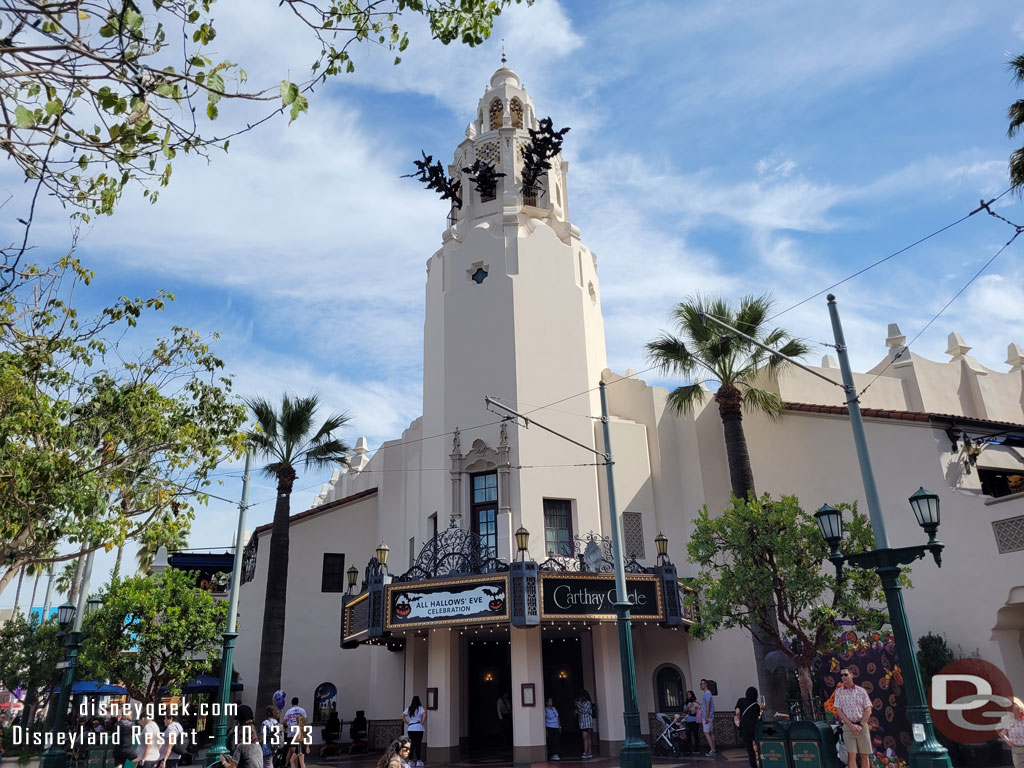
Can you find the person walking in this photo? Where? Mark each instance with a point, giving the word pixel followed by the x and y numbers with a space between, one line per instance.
pixel 300 742
pixel 1013 733
pixel 415 719
pixel 584 708
pixel 270 735
pixel 553 726
pixel 174 742
pixel 853 707
pixel 124 748
pixel 691 709
pixel 150 746
pixel 746 718
pixel 248 752
pixel 396 755
pixel 290 721
pixel 707 716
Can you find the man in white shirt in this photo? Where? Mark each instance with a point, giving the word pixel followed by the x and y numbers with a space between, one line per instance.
pixel 291 718
pixel 151 743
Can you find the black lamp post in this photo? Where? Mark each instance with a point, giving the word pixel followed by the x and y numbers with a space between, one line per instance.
pixel 54 755
pixel 925 751
pixel 383 550
pixel 522 542
pixel 661 542
pixel 352 573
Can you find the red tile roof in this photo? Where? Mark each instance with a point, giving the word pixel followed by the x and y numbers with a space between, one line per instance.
pixel 880 413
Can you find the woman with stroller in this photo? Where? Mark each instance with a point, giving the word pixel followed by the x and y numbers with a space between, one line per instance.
pixel 690 710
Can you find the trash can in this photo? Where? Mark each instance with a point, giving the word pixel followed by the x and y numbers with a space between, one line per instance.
pixel 812 745
pixel 772 741
pixel 98 757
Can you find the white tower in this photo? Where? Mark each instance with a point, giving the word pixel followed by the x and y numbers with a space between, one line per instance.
pixel 512 311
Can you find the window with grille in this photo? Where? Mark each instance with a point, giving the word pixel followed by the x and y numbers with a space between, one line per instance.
pixel 669 684
pixel 633 534
pixel 332 578
pixel 515 109
pixel 496 112
pixel 558 527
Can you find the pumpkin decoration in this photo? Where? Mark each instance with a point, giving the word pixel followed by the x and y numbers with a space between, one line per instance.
pixel 402 610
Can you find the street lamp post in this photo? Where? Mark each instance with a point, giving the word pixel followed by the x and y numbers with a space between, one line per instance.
pixel 220 724
pixel 68 616
pixel 925 751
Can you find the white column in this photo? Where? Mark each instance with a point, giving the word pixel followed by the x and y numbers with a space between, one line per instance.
pixel 608 688
pixel 443 673
pixel 528 734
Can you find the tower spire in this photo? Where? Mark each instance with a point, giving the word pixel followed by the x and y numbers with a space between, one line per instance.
pixel 503 59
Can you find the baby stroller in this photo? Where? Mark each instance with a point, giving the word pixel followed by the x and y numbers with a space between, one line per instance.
pixel 670 740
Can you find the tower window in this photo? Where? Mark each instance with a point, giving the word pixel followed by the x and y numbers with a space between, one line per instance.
pixel 495 112
pixel 479 276
pixel 515 109
pixel 484 511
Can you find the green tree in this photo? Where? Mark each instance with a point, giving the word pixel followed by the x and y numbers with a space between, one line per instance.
pixel 702 352
pixel 151 632
pixel 97 443
pixel 99 94
pixel 30 654
pixel 287 438
pixel 1016 116
pixel 763 563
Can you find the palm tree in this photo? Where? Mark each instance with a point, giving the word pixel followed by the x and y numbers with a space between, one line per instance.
pixel 1016 115
pixel 287 439
pixel 703 352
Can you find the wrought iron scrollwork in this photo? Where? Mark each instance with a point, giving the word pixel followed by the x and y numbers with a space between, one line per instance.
pixel 591 553
pixel 454 551
pixel 249 559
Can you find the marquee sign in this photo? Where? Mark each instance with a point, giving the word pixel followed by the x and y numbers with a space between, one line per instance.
pixel 356 619
pixel 475 600
pixel 592 596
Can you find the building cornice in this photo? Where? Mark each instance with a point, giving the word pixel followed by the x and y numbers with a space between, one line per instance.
pixel 314 511
pixel 938 420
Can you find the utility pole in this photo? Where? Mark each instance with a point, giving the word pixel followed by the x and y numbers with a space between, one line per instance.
pixel 220 725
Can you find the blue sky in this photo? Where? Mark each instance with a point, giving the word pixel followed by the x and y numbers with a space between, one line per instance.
pixel 715 146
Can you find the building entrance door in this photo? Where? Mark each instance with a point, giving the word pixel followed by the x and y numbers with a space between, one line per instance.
pixel 563 679
pixel 489 720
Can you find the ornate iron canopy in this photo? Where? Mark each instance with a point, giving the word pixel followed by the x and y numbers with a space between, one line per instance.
pixel 454 551
pixel 591 553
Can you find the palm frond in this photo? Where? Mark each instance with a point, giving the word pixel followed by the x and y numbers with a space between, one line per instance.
pixel 687 398
pixel 264 413
pixel 671 355
pixel 333 422
pixel 1016 68
pixel 752 314
pixel 794 348
pixel 1016 115
pixel 296 419
pixel 762 401
pixel 330 451
pixel 1017 169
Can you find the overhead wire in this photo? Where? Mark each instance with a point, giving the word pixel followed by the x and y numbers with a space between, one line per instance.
pixel 983 206
pixel 946 306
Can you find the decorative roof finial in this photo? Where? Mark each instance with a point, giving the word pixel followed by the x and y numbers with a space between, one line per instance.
pixel 503 59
